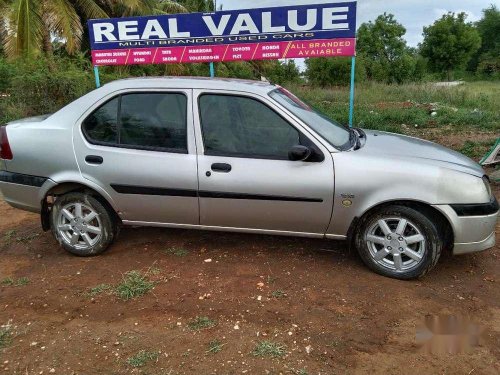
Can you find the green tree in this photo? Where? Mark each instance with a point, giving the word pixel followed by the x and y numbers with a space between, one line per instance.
pixel 281 72
pixel 3 25
pixel 126 8
pixel 198 5
pixel 450 43
pixel 387 57
pixel 487 60
pixel 332 71
pixel 382 39
pixel 30 25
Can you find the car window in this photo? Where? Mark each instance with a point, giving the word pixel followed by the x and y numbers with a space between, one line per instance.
pixel 336 134
pixel 149 121
pixel 154 120
pixel 102 124
pixel 242 126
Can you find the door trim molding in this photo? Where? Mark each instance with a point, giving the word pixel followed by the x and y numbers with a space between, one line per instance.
pixel 147 190
pixel 260 197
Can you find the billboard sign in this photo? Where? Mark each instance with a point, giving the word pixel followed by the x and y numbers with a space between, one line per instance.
pixel 302 31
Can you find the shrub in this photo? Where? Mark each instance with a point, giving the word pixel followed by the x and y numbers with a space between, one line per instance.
pixel 269 349
pixel 333 71
pixel 200 323
pixel 142 358
pixel 5 336
pixel 35 87
pixel 134 284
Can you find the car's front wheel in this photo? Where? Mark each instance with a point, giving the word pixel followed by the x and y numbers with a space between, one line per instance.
pixel 399 242
pixel 81 224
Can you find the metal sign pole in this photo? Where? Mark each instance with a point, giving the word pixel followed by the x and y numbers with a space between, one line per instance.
pixel 351 95
pixel 97 80
pixel 212 66
pixel 106 37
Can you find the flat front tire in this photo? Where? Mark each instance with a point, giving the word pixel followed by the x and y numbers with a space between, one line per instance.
pixel 398 242
pixel 82 225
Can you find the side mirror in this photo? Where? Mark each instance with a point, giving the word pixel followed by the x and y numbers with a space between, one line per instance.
pixel 299 153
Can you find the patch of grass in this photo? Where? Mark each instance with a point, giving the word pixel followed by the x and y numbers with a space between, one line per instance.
pixel 5 337
pixel 300 372
pixel 336 343
pixel 9 281
pixel 177 251
pixel 215 347
pixel 134 284
pixel 468 149
pixel 9 234
pixel 142 358
pixel 201 322
pixel 386 107
pixel 22 281
pixel 271 279
pixel 278 294
pixel 101 288
pixel 154 271
pixel 476 150
pixel 28 238
pixel 269 349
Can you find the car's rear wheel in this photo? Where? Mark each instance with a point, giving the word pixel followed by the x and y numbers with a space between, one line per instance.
pixel 399 242
pixel 82 225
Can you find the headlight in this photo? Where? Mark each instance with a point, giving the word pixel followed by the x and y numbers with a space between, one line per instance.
pixel 486 181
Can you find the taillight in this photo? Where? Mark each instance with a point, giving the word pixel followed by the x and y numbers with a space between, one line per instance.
pixel 5 151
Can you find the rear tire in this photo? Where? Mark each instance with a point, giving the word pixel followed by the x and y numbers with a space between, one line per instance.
pixel 398 242
pixel 82 225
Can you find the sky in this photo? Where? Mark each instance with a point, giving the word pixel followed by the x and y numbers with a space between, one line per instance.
pixel 413 14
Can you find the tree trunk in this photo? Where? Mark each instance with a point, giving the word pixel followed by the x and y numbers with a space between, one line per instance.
pixel 3 35
pixel 47 43
pixel 48 49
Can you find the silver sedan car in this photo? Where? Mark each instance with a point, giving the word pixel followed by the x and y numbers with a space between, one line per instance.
pixel 242 156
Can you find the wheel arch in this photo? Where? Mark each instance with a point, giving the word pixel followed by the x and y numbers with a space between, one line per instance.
pixel 69 187
pixel 445 228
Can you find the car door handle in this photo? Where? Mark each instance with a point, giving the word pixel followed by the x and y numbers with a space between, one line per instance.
pixel 94 159
pixel 221 167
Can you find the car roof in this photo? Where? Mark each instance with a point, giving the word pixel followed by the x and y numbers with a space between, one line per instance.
pixel 192 83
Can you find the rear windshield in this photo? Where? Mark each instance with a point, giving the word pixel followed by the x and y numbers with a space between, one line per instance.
pixel 334 133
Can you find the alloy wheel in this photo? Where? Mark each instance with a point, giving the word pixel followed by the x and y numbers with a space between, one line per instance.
pixel 396 243
pixel 79 226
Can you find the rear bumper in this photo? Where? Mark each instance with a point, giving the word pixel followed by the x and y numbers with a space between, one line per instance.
pixel 23 191
pixel 472 233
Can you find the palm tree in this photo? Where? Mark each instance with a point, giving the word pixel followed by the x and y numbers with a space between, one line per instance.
pixel 3 26
pixel 198 5
pixel 30 25
pixel 125 8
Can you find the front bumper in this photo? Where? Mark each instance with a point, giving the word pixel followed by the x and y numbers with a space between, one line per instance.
pixel 472 233
pixel 473 247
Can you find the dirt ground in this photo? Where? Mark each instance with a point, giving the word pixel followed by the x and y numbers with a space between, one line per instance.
pixel 330 313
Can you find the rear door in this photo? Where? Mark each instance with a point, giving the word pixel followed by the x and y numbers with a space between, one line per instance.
pixel 246 180
pixel 139 147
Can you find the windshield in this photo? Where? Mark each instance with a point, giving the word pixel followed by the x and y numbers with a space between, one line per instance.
pixel 336 134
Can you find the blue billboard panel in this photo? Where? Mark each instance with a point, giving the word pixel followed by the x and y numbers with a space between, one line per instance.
pixel 266 33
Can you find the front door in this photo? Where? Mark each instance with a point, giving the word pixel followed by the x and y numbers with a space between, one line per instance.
pixel 139 147
pixel 246 180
